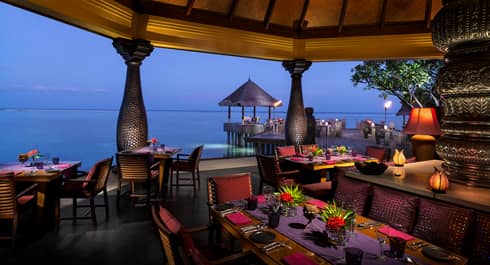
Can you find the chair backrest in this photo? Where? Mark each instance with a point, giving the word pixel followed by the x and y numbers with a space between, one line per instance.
pixel 133 166
pixel 100 172
pixel 195 156
pixel 8 203
pixel 268 169
pixel 229 188
pixel 351 194
pixel 380 153
pixel 481 245
pixel 306 148
pixel 169 239
pixel 285 151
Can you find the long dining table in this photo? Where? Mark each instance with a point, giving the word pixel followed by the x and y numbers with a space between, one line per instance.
pixel 49 180
pixel 164 156
pixel 310 242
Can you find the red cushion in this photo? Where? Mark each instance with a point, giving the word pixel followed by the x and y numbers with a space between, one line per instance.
pixel 351 194
pixel 192 251
pixel 285 151
pixel 170 221
pixel 376 152
pixel 22 200
pixel 443 224
pixel 232 187
pixel 393 207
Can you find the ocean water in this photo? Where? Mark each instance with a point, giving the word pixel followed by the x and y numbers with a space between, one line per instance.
pixel 90 135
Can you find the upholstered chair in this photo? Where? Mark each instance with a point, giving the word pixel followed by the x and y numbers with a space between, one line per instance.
pixel 271 174
pixel 378 152
pixel 285 151
pixel 219 190
pixel 481 243
pixel 351 194
pixel 88 186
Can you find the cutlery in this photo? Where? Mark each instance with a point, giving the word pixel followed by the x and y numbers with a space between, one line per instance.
pixel 410 260
pixel 270 245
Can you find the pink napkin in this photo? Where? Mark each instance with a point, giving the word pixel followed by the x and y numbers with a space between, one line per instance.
pixel 260 198
pixel 296 159
pixel 316 202
pixel 329 162
pixel 238 218
pixel 389 231
pixel 62 166
pixel 298 258
pixel 359 158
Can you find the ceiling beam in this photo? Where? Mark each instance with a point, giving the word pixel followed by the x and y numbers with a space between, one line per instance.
pixel 342 14
pixel 382 15
pixel 190 5
pixel 301 20
pixel 428 12
pixel 231 11
pixel 268 13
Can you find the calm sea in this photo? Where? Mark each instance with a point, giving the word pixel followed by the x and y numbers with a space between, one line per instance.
pixel 90 135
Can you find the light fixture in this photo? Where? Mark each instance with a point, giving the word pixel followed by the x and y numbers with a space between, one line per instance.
pixel 423 124
pixel 399 161
pixel 439 181
pixel 387 106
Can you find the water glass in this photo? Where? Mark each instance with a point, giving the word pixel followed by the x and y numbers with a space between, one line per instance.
pixel 252 203
pixel 274 218
pixel 381 239
pixel 353 256
pixel 268 193
pixel 397 246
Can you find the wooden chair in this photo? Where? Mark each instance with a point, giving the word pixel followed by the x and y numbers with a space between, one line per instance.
pixel 285 151
pixel 89 186
pixel 229 188
pixel 306 148
pixel 178 244
pixel 271 174
pixel 136 168
pixel 189 164
pixel 12 204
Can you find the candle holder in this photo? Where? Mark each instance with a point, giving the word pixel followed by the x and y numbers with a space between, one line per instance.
pixel 439 181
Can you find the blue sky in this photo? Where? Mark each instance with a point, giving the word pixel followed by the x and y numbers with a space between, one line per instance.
pixel 48 64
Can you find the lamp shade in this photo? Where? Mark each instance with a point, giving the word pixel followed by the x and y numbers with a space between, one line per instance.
pixel 423 121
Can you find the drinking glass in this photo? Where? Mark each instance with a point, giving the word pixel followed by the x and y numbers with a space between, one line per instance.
pixel 309 211
pixel 268 193
pixel 381 239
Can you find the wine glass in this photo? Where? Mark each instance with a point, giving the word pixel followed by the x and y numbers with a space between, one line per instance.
pixel 382 240
pixel 268 193
pixel 310 211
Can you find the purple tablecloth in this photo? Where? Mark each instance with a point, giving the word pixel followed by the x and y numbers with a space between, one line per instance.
pixel 369 245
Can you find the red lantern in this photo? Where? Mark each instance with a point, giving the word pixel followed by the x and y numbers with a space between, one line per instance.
pixel 439 181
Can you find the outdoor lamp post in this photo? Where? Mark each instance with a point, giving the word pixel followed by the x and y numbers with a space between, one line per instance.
pixel 387 106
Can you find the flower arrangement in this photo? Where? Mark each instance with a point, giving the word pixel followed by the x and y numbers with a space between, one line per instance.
pixel 154 140
pixel 336 218
pixel 315 151
pixel 291 195
pixel 341 149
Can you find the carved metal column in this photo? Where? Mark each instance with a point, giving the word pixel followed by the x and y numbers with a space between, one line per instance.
pixel 461 29
pixel 296 118
pixel 132 125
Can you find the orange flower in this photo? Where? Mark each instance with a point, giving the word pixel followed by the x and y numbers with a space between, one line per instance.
pixel 32 152
pixel 286 197
pixel 154 140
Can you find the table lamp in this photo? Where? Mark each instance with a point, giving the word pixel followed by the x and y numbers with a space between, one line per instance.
pixel 423 124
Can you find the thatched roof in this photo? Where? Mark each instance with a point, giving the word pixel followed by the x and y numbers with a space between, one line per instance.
pixel 250 94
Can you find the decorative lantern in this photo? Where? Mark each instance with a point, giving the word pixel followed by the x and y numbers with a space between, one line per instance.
pixel 438 181
pixel 399 161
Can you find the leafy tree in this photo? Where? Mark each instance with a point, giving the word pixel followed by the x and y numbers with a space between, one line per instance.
pixel 411 81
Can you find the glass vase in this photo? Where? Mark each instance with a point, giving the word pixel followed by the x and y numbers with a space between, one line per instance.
pixel 289 210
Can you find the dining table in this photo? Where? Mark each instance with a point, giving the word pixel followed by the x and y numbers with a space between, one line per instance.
pixel 301 244
pixel 49 179
pixel 164 156
pixel 324 163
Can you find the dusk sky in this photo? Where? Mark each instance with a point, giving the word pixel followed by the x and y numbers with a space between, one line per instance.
pixel 49 64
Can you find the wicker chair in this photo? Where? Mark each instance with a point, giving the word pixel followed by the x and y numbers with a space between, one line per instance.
pixel 271 174
pixel 190 164
pixel 93 183
pixel 219 190
pixel 285 151
pixel 178 244
pixel 12 204
pixel 136 168
pixel 350 193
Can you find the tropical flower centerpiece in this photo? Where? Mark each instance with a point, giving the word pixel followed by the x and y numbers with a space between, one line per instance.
pixel 315 151
pixel 341 149
pixel 153 143
pixel 336 219
pixel 290 196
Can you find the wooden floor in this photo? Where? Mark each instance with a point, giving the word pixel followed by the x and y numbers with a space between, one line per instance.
pixel 127 237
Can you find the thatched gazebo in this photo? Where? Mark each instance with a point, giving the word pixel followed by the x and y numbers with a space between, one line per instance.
pixel 404 111
pixel 250 95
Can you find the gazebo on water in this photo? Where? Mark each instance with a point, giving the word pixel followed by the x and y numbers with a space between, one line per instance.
pixel 250 95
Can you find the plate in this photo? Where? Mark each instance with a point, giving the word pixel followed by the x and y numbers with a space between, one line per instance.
pixel 437 253
pixel 223 206
pixel 263 237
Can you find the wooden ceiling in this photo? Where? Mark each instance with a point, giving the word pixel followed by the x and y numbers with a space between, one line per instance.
pixel 317 30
